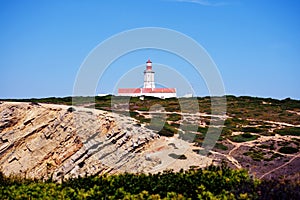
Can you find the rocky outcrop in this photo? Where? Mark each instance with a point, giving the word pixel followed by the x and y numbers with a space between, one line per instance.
pixel 47 140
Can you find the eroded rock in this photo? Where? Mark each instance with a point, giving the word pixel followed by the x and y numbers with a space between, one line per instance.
pixel 42 141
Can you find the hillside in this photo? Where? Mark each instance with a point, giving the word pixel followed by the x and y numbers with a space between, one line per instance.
pixel 42 140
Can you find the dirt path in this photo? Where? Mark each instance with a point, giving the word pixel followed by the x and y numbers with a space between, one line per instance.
pixel 291 160
pixel 230 158
pixel 183 113
pixel 273 122
pixel 236 146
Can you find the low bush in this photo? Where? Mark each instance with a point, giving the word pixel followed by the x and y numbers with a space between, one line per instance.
pixel 295 131
pixel 209 183
pixel 243 137
pixel 288 150
pixel 252 130
pixel 174 117
pixel 221 146
pixel 163 128
pixel 255 155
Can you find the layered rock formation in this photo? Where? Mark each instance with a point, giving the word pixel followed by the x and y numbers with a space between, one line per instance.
pixel 43 140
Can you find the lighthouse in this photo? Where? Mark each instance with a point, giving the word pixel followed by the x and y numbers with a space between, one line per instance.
pixel 149 87
pixel 149 75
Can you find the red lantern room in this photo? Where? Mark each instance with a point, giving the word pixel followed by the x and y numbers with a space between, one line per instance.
pixel 149 65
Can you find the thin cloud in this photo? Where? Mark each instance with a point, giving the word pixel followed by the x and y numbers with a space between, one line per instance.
pixel 203 2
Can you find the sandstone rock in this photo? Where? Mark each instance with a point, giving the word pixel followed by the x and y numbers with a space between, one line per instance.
pixel 42 141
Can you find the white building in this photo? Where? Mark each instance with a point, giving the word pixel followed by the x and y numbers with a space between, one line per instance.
pixel 149 76
pixel 149 87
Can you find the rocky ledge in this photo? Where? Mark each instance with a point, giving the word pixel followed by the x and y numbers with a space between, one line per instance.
pixel 42 141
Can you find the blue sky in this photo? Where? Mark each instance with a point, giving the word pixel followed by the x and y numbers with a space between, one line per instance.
pixel 254 43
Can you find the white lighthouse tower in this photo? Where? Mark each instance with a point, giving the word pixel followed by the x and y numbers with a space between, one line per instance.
pixel 149 76
pixel 149 87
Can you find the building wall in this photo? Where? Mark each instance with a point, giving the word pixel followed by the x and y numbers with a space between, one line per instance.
pixel 130 94
pixel 149 79
pixel 159 95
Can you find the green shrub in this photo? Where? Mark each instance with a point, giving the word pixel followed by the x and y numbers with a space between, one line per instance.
pixel 71 109
pixel 295 131
pixel 175 125
pixel 252 130
pixel 165 130
pixel 211 182
pixel 188 136
pixel 174 117
pixel 243 137
pixel 133 114
pixel 175 156
pixel 226 132
pixel 288 150
pixel 202 129
pixel 264 146
pixel 255 155
pixel 221 146
pixel 143 109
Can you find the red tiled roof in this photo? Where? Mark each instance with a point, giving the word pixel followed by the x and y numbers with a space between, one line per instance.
pixel 146 90
pixel 129 90
pixel 158 90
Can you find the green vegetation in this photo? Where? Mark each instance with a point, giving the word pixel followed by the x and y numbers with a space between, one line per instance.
pixel 288 150
pixel 165 130
pixel 175 125
pixel 255 155
pixel 71 109
pixel 274 155
pixel 209 183
pixel 243 137
pixel 202 130
pixel 295 131
pixel 235 124
pixel 190 137
pixel 246 114
pixel 263 109
pixel 174 117
pixel 264 146
pixel 220 146
pixel 238 108
pixel 226 132
pixel 252 130
pixel 259 155
pixel 175 156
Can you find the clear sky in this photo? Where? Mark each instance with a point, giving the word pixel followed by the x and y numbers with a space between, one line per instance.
pixel 254 43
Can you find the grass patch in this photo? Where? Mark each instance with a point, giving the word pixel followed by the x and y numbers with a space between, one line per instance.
pixel 288 150
pixel 243 137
